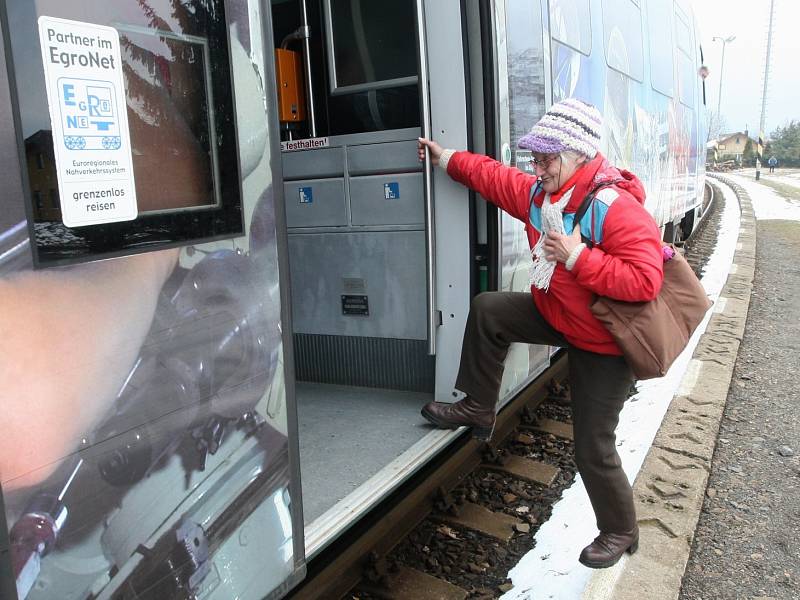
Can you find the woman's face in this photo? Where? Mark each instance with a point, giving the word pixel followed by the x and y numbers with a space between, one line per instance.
pixel 553 170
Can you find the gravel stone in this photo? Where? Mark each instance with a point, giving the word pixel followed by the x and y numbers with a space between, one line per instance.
pixel 738 552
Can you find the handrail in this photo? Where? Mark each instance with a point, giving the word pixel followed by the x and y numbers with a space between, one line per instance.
pixel 427 180
pixel 306 35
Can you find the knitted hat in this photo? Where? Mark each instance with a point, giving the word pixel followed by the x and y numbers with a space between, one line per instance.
pixel 569 125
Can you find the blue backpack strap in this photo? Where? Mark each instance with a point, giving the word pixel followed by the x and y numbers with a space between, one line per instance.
pixel 535 212
pixel 598 219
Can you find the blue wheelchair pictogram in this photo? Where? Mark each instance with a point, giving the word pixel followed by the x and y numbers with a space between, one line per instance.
pixel 391 191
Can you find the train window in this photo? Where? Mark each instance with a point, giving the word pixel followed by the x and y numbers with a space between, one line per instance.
pixel 622 20
pixel 662 61
pixel 570 24
pixel 178 105
pixel 683 35
pixel 372 66
pixel 369 46
pixel 687 74
pixel 687 78
pixel 374 110
pixel 525 66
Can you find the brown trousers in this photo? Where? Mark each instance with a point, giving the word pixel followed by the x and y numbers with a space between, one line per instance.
pixel 599 386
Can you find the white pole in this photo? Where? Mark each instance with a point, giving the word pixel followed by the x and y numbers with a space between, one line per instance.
pixel 764 93
pixel 721 69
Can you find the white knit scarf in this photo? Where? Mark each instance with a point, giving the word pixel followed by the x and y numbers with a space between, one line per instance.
pixel 541 269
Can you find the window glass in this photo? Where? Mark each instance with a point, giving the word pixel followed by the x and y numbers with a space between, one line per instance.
pixel 178 94
pixel 570 23
pixel 662 64
pixel 525 66
pixel 687 75
pixel 370 41
pixel 683 35
pixel 372 66
pixel 622 20
pixel 374 110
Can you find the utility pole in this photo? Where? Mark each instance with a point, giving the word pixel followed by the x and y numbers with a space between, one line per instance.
pixel 764 94
pixel 724 41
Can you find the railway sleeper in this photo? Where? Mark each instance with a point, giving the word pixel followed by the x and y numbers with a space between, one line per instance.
pixel 551 426
pixel 477 518
pixel 411 583
pixel 526 469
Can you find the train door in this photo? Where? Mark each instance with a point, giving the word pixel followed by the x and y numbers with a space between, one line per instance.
pixel 378 244
pixel 513 60
pixel 148 450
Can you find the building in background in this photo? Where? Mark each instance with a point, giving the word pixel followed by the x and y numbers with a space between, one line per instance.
pixel 733 146
pixel 41 161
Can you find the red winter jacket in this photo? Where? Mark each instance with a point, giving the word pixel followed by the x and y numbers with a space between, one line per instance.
pixel 625 262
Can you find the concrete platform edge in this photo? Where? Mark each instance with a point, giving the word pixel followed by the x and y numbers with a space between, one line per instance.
pixel 672 482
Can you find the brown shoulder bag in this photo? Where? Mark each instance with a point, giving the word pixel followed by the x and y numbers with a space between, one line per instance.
pixel 652 334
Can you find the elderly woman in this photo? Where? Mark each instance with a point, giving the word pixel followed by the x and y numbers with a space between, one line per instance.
pixel 622 260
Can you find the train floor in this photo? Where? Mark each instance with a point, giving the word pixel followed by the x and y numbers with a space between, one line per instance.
pixel 348 434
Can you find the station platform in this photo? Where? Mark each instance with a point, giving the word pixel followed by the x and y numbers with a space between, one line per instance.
pixel 668 438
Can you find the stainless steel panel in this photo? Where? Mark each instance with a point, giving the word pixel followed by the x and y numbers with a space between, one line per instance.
pixel 387 200
pixel 312 164
pixel 324 207
pixel 387 267
pixel 374 137
pixel 394 157
pixel 449 214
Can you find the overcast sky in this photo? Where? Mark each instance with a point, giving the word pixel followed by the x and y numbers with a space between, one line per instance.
pixel 743 76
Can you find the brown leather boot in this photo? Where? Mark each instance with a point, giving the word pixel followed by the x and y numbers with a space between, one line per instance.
pixel 608 548
pixel 467 411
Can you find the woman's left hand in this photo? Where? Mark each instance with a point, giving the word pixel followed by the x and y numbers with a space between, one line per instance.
pixel 558 246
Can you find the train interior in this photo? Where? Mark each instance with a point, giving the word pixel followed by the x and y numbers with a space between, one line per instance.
pixel 356 228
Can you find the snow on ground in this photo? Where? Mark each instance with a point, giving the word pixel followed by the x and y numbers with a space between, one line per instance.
pixel 767 203
pixel 551 569
pixel 785 176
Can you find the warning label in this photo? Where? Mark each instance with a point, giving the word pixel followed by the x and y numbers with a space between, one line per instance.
pixel 307 144
pixel 86 96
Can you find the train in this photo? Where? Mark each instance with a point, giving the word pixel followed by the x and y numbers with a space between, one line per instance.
pixel 227 283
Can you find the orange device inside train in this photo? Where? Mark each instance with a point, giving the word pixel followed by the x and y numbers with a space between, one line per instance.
pixel 291 101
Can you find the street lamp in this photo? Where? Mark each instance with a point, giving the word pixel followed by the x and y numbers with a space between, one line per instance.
pixel 724 41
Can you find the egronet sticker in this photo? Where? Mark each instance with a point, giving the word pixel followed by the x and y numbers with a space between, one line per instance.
pixel 89 117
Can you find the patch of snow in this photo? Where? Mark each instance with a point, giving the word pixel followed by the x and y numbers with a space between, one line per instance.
pixel 767 203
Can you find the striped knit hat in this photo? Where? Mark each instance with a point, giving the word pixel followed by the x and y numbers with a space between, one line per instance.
pixel 569 125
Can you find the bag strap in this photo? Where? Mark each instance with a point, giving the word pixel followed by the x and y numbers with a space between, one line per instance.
pixel 534 190
pixel 584 206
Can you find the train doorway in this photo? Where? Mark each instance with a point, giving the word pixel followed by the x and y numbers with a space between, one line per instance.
pixel 379 247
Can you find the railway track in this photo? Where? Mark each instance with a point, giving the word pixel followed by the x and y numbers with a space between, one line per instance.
pixel 456 529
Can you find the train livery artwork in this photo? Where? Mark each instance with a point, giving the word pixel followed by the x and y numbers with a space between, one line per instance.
pixel 228 285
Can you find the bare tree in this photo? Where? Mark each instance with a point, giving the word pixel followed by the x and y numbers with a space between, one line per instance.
pixel 716 125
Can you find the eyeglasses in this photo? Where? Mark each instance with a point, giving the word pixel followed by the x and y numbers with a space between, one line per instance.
pixel 544 162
